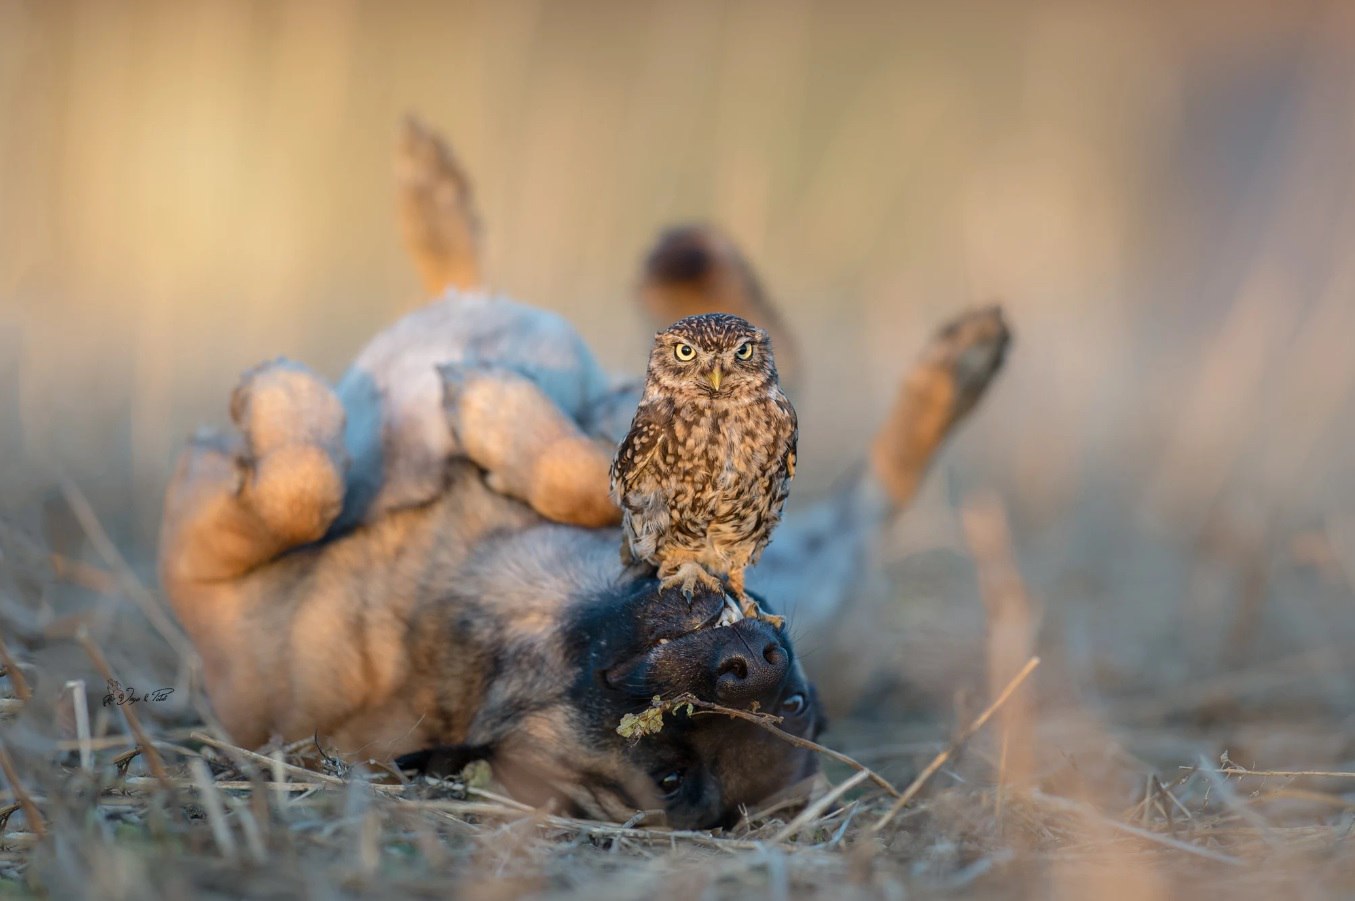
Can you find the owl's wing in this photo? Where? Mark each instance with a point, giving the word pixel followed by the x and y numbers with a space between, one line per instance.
pixel 632 468
pixel 789 428
pixel 788 458
pixel 784 471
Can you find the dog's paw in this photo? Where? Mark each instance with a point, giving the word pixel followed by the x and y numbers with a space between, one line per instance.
pixel 969 351
pixel 292 463
pixel 282 403
pixel 954 372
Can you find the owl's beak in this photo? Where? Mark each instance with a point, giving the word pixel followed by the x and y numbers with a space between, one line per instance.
pixel 714 377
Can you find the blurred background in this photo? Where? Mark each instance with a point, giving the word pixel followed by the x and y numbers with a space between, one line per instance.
pixel 1159 194
pixel 1158 496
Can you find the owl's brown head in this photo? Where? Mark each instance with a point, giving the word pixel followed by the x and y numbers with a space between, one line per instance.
pixel 713 355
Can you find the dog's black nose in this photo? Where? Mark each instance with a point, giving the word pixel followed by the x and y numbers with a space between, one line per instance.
pixel 750 665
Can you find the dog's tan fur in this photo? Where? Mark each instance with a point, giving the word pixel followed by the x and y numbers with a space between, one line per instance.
pixel 430 613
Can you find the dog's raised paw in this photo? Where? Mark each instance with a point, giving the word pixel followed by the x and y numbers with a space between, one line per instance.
pixel 282 403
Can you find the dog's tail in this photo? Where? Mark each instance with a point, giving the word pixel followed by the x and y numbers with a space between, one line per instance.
pixel 436 209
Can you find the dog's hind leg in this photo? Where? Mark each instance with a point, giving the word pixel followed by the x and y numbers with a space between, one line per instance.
pixel 942 388
pixel 436 209
pixel 815 565
pixel 237 502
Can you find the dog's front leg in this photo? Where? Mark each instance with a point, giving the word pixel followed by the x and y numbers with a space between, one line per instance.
pixel 529 447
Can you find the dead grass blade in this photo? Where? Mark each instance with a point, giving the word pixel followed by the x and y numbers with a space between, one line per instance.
pixel 21 684
pixel 127 580
pixel 815 810
pixel 16 676
pixel 79 702
pixel 940 759
pixel 216 812
pixel 148 749
pixel 25 801
pixel 1086 810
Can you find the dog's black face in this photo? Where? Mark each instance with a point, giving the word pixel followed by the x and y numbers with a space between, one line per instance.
pixel 555 738
pixel 703 769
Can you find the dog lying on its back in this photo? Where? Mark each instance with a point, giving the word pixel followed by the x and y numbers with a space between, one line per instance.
pixel 426 558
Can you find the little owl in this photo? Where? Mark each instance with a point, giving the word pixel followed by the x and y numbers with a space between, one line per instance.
pixel 703 474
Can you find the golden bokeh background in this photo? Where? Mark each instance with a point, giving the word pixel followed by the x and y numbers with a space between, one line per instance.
pixel 1158 495
pixel 1160 195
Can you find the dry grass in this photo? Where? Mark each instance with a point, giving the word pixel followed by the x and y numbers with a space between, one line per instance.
pixel 229 822
pixel 152 804
pixel 1158 499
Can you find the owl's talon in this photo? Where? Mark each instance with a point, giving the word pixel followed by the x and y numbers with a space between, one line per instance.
pixel 688 577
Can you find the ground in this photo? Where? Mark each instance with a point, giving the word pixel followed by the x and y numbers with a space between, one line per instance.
pixel 1130 796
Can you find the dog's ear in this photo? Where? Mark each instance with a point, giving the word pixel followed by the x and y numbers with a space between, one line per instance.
pixel 444 760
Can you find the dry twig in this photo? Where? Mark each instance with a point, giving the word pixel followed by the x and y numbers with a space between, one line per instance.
pixel 1285 774
pixel 130 584
pixel 813 811
pixel 769 722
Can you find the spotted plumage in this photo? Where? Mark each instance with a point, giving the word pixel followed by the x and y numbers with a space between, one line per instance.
pixel 704 473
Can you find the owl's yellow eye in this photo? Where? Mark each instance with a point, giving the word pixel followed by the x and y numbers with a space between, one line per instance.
pixel 744 351
pixel 685 352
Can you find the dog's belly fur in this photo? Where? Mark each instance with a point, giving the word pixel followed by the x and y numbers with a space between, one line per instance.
pixel 384 638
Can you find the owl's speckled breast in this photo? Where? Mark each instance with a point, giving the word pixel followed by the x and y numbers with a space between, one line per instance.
pixel 724 477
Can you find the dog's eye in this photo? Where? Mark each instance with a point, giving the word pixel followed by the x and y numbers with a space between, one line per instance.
pixel 685 352
pixel 745 351
pixel 794 705
pixel 670 783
